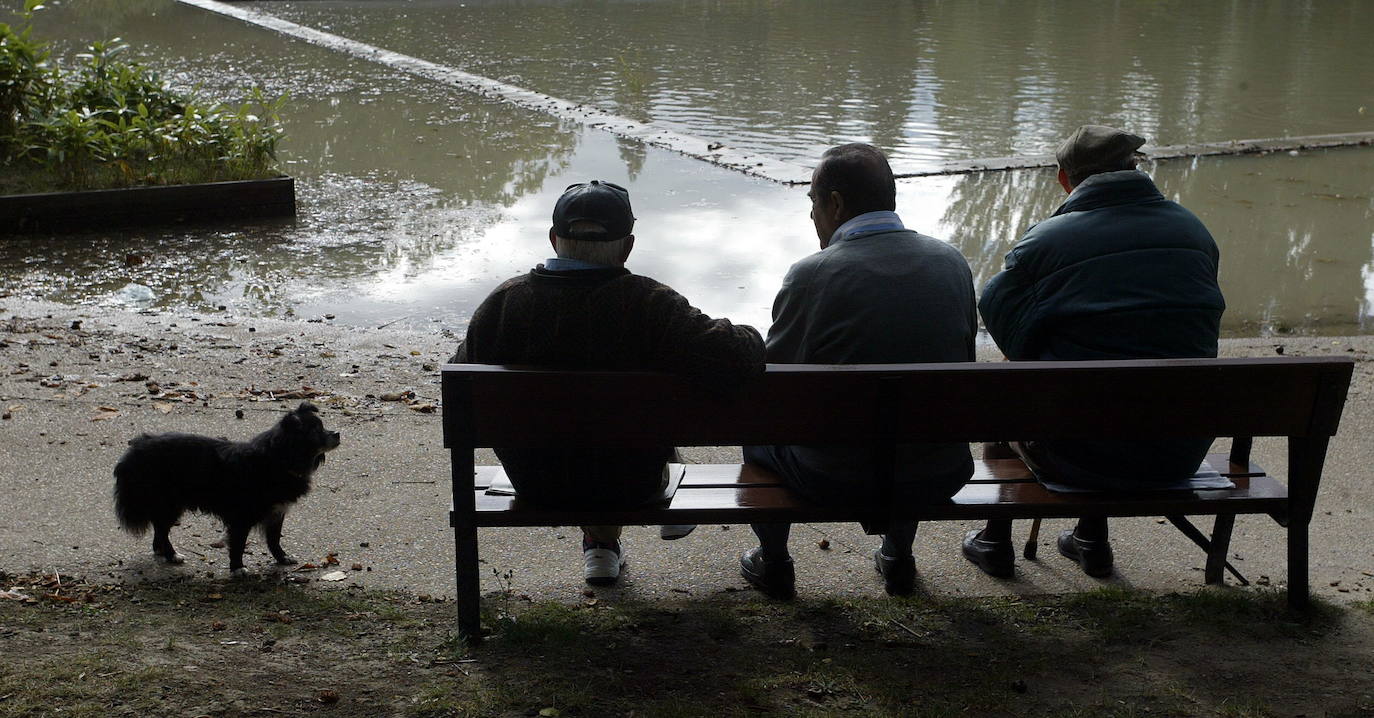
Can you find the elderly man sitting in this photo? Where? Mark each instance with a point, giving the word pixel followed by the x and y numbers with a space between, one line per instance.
pixel 584 310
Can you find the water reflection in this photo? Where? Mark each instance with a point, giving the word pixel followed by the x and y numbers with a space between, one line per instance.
pixel 416 199
pixel 928 82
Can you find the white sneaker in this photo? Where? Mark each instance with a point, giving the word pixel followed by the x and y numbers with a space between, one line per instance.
pixel 670 532
pixel 601 562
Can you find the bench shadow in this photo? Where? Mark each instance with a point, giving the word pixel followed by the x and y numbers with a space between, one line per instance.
pixel 1080 654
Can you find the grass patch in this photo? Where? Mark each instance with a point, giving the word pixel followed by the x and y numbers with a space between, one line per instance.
pixel 112 122
pixel 261 646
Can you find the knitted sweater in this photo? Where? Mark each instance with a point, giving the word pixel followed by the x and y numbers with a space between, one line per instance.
pixel 607 319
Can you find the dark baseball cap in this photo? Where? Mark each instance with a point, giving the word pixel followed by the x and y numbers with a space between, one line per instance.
pixel 1096 148
pixel 606 204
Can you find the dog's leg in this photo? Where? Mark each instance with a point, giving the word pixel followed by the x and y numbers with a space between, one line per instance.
pixel 271 531
pixel 237 535
pixel 162 541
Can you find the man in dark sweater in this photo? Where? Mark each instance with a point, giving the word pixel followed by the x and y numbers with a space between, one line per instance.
pixel 584 310
pixel 1118 272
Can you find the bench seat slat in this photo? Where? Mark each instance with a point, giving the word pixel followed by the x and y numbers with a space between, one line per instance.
pixel 984 471
pixel 732 493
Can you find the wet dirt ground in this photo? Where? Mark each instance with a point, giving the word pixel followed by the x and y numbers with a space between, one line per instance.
pixel 77 383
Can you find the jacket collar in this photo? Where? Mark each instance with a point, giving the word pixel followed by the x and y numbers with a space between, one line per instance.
pixel 867 223
pixel 1111 188
pixel 576 276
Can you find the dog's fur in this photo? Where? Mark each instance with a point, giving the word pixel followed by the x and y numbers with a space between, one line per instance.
pixel 245 484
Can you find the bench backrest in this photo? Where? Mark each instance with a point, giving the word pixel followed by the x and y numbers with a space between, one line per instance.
pixel 487 406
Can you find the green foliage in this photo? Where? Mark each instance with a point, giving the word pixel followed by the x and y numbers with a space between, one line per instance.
pixel 113 122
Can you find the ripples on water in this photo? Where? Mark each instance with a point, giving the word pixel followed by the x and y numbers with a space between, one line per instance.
pixel 416 199
pixel 929 82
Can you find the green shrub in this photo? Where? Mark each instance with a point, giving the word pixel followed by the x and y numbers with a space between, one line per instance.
pixel 113 122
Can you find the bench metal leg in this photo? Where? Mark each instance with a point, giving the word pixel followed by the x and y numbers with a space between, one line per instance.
pixel 467 588
pixel 1305 458
pixel 1183 524
pixel 1221 545
pixel 469 583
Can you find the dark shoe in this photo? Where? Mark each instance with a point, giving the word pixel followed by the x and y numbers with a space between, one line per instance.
pixel 899 574
pixel 1094 556
pixel 776 579
pixel 995 558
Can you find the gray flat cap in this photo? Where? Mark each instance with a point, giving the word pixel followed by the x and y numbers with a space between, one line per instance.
pixel 1096 147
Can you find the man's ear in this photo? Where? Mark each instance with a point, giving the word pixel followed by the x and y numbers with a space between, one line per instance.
pixel 1064 180
pixel 553 239
pixel 837 209
pixel 625 250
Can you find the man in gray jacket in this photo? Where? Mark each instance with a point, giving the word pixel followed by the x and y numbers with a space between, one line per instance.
pixel 876 293
pixel 1118 272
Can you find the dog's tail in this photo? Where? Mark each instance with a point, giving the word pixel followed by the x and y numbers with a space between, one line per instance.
pixel 131 500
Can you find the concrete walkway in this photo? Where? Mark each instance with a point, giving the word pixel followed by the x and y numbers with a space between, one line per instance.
pixel 77 383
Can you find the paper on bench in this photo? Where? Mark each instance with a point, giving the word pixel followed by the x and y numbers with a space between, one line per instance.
pixel 1207 477
pixel 672 473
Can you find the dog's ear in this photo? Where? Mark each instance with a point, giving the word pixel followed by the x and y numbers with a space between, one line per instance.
pixel 307 408
pixel 292 422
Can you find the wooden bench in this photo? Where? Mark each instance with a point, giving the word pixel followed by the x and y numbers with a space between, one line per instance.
pixel 1293 397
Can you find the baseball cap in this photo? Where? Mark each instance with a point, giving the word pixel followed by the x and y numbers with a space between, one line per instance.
pixel 1096 148
pixel 604 203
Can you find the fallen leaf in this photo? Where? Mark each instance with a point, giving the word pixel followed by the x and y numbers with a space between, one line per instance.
pixel 334 576
pixel 163 407
pixel 14 596
pixel 550 712
pixel 424 408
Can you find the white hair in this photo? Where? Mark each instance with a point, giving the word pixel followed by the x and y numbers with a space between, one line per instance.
pixel 608 252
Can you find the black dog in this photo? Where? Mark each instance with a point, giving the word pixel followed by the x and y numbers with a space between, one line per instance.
pixel 245 484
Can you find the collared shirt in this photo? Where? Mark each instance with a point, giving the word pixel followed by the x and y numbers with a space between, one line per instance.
pixel 867 223
pixel 568 264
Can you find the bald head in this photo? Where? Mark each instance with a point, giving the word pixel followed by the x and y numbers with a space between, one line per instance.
pixel 859 173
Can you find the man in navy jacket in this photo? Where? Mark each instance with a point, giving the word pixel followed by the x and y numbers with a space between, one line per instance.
pixel 1117 272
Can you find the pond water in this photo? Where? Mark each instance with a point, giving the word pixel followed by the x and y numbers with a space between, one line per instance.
pixel 417 198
